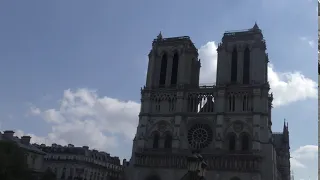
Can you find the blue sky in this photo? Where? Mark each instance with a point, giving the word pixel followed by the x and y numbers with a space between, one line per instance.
pixel 64 62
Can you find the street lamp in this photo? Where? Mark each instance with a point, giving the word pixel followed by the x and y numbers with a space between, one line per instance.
pixel 196 168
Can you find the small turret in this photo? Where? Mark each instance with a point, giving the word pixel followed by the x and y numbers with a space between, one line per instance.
pixel 285 132
pixel 159 37
pixel 255 27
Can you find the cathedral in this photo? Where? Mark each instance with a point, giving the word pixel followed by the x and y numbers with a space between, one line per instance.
pixel 228 123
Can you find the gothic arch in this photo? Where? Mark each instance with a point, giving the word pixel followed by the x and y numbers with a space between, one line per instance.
pixel 231 141
pixel 176 51
pixel 163 69
pixel 155 139
pixel 234 64
pixel 160 126
pixel 164 97
pixel 163 52
pixel 167 140
pixel 232 127
pixel 245 141
pixel 175 67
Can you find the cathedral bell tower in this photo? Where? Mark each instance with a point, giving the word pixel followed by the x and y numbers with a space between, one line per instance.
pixel 242 102
pixel 242 58
pixel 172 61
pixel 173 64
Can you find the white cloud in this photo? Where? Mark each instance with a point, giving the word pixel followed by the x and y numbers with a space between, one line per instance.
pixel 84 118
pixel 287 87
pixel 34 110
pixel 296 164
pixel 304 157
pixel 308 152
pixel 290 87
pixel 310 42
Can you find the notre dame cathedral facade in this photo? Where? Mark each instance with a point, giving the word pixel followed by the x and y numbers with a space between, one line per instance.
pixel 229 123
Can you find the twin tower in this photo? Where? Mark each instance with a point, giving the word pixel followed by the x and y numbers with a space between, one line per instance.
pixel 174 61
pixel 228 123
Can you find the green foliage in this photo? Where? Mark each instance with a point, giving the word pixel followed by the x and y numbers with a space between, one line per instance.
pixel 13 164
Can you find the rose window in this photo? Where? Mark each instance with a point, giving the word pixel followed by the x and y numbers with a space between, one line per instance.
pixel 200 136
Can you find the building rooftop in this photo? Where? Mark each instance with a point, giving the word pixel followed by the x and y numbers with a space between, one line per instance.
pixel 70 149
pixel 186 40
pixel 253 33
pixel 23 142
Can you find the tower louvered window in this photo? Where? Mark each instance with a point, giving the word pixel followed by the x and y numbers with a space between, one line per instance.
pixel 163 70
pixel 234 65
pixel 174 72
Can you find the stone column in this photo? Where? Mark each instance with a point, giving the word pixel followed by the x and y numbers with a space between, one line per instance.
pixel 256 100
pixel 177 120
pixel 146 105
pixel 219 131
pixel 151 69
pixel 141 131
pixel 220 100
pixel 256 133
pixel 176 132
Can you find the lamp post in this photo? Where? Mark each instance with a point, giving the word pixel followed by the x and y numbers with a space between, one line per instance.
pixel 196 168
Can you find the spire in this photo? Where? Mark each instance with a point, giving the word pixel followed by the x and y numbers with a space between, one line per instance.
pixel 285 131
pixel 159 36
pixel 255 26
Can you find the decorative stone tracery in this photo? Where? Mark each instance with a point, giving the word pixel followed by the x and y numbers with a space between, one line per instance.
pixel 200 136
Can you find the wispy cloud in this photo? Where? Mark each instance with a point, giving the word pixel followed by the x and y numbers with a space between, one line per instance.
pixel 310 42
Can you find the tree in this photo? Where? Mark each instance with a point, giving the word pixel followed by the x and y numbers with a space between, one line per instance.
pixel 13 162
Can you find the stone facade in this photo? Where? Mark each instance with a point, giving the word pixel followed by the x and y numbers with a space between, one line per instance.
pixel 229 123
pixel 34 155
pixel 81 163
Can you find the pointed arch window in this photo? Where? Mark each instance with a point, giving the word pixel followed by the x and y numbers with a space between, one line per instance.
pixel 172 103
pixel 245 142
pixel 168 141
pixel 234 65
pixel 156 138
pixel 174 72
pixel 245 103
pixel 232 142
pixel 246 66
pixel 232 103
pixel 163 70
